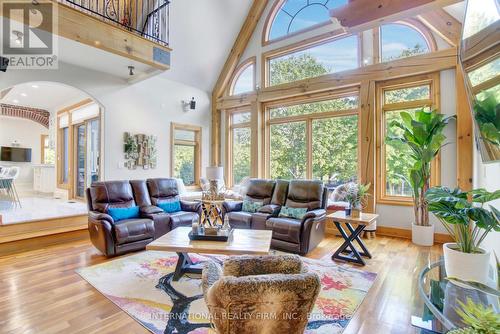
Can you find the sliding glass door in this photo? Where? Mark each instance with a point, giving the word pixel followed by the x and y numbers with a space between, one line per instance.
pixel 86 155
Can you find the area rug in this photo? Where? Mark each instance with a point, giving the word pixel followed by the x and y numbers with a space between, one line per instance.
pixel 142 286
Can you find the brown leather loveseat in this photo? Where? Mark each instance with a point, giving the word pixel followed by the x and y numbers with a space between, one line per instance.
pixel 289 234
pixel 118 237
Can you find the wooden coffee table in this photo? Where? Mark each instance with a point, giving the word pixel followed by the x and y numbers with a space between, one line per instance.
pixel 354 255
pixel 241 242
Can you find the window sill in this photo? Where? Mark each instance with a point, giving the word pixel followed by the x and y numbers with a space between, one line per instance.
pixel 407 201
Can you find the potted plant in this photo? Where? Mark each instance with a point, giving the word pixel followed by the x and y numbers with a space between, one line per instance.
pixel 468 222
pixel 355 194
pixel 423 133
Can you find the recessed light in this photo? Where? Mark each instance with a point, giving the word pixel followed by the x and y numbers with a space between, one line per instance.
pixel 34 86
pixel 15 101
pixel 24 94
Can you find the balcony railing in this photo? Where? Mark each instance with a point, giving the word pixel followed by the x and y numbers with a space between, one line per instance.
pixel 147 18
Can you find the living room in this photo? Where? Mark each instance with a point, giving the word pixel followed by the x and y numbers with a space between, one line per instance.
pixel 279 166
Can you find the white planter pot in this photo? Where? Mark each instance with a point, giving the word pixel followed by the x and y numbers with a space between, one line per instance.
pixel 422 235
pixel 465 266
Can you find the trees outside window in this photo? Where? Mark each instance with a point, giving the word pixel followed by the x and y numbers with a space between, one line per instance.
pixel 399 40
pixel 239 146
pixel 186 153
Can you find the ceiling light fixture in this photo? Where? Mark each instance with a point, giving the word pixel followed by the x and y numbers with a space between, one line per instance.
pixel 131 70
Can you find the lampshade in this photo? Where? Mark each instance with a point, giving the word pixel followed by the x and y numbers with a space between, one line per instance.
pixel 215 173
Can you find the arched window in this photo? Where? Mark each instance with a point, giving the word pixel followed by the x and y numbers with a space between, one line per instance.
pixel 291 16
pixel 401 39
pixel 244 78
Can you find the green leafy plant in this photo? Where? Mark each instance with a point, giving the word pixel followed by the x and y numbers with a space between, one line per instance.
pixel 423 134
pixel 487 114
pixel 355 194
pixel 480 319
pixel 464 216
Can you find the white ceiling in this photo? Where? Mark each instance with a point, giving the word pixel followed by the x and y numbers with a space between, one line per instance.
pixel 43 95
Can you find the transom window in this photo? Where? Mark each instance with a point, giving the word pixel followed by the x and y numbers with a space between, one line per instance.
pixel 238 145
pixel 292 16
pixel 317 139
pixel 244 78
pixel 395 158
pixel 398 40
pixel 186 153
pixel 325 57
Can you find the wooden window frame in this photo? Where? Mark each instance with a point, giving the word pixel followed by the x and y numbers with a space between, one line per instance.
pixel 433 80
pixel 237 73
pixel 229 139
pixel 411 23
pixel 269 22
pixel 308 119
pixel 42 148
pixel 304 45
pixel 197 150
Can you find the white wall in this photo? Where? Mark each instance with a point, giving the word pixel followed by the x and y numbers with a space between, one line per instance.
pixel 28 135
pixel 146 107
pixel 488 176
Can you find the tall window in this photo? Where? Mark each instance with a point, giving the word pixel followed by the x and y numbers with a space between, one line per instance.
pixel 399 40
pixel 239 146
pixel 317 139
pixel 186 153
pixel 47 155
pixel 325 57
pixel 395 158
pixel 292 16
pixel 244 78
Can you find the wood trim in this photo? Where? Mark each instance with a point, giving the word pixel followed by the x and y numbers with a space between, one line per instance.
pixel 42 148
pixel 233 58
pixel 495 81
pixel 376 45
pixel 197 143
pixel 240 69
pixel 431 79
pixel 443 24
pixel 481 59
pixel 439 238
pixel 465 138
pixel 399 68
pixel 366 147
pixel 362 15
pixel 75 106
pixel 483 41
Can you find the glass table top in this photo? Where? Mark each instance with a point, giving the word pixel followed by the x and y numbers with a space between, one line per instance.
pixel 441 298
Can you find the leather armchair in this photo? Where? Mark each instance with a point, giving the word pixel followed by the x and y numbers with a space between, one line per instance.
pixel 301 235
pixel 259 190
pixel 165 189
pixel 240 294
pixel 115 237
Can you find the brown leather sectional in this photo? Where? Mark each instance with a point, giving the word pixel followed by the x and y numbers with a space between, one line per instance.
pixel 115 238
pixel 289 234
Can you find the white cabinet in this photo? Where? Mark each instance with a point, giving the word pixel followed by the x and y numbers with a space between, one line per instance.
pixel 44 178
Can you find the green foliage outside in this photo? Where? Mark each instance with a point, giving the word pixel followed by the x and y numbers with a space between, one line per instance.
pixel 487 114
pixel 241 154
pixel 184 163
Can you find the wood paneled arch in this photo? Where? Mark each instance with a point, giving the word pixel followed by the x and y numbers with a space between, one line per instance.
pixel 40 116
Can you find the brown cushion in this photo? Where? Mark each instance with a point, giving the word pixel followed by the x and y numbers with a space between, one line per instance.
pixel 240 219
pixel 110 194
pixel 181 218
pixel 162 189
pixel 260 190
pixel 286 229
pixel 305 194
pixel 130 230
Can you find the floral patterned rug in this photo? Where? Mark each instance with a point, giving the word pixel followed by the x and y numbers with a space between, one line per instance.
pixel 142 286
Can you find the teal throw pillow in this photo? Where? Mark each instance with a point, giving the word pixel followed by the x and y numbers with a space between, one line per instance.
pixel 123 213
pixel 170 206
pixel 297 213
pixel 249 206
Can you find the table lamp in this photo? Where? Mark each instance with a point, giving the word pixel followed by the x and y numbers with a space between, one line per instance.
pixel 214 175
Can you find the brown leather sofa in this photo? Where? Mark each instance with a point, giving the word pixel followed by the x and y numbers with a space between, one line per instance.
pixel 119 237
pixel 289 234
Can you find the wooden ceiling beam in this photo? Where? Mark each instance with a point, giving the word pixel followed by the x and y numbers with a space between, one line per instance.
pixel 443 24
pixel 359 15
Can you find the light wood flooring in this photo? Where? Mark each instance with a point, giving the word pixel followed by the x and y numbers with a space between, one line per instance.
pixel 41 293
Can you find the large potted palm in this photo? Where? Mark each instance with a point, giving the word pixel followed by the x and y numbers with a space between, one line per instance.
pixel 423 133
pixel 467 220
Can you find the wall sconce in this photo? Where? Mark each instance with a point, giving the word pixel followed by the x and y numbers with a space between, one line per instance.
pixel 191 105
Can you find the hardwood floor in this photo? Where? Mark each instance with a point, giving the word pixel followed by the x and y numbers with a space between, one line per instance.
pixel 41 293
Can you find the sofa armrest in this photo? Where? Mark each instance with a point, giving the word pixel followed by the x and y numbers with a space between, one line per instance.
pixel 262 265
pixel 318 213
pixel 97 216
pixel 230 206
pixel 272 209
pixel 150 210
pixel 211 273
pixel 190 206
